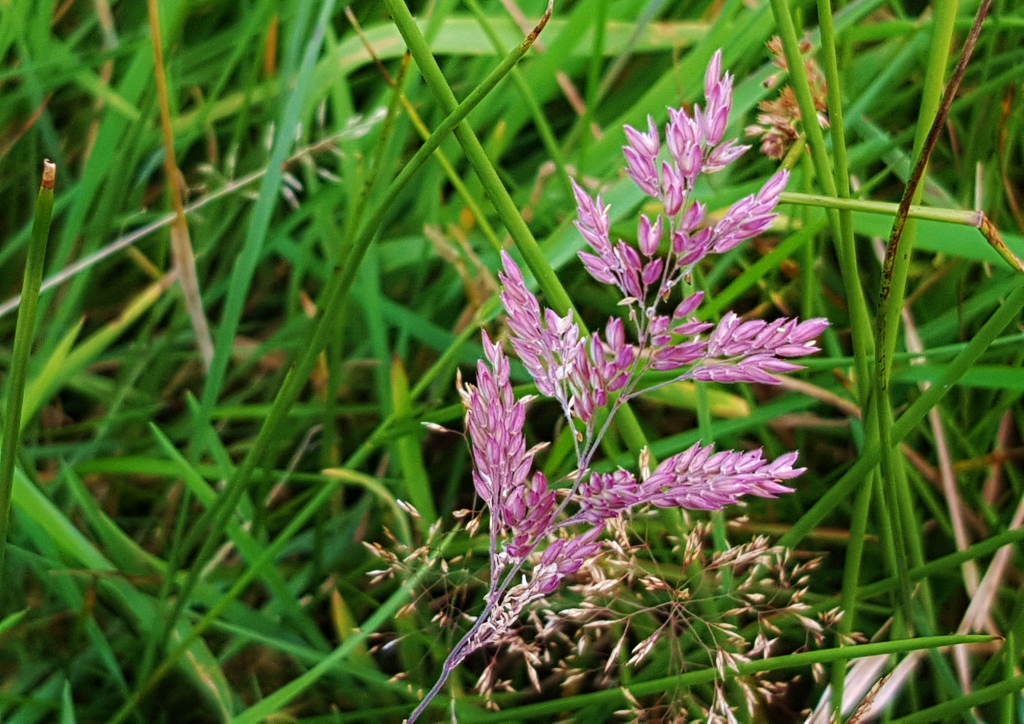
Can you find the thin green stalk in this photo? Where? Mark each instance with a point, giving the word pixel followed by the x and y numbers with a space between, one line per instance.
pixel 851 581
pixel 24 332
pixel 809 292
pixel 964 217
pixel 414 117
pixel 332 300
pixel 934 107
pixel 1009 660
pixel 834 98
pixel 955 709
pixel 527 245
pixel 374 177
pixel 503 203
pixel 903 236
pixel 842 228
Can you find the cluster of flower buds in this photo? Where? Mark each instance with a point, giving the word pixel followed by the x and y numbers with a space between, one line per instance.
pixel 589 373
pixel 520 505
pixel 780 122
pixel 582 372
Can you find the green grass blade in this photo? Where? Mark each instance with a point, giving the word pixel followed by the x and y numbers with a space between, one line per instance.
pixel 245 266
pixel 959 707
pixel 23 336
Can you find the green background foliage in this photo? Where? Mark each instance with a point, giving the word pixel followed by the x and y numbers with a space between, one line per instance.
pixel 188 541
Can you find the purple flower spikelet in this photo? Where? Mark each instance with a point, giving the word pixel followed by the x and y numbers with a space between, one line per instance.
pixel 592 376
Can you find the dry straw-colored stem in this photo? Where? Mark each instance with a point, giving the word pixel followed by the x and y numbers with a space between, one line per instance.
pixel 181 242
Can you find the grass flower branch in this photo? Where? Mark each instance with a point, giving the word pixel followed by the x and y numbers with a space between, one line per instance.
pixel 537 542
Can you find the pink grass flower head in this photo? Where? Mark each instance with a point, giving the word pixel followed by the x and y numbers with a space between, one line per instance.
pixel 538 542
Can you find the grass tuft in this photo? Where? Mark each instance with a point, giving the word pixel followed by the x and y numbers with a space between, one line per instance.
pixel 282 524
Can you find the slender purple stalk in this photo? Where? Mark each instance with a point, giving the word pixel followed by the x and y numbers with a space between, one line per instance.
pixel 536 542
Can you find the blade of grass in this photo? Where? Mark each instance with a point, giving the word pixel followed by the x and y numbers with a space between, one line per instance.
pixel 67 705
pixel 24 333
pixel 1011 697
pixel 259 225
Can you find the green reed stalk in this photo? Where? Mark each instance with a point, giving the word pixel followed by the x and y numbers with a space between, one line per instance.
pixel 842 226
pixel 935 104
